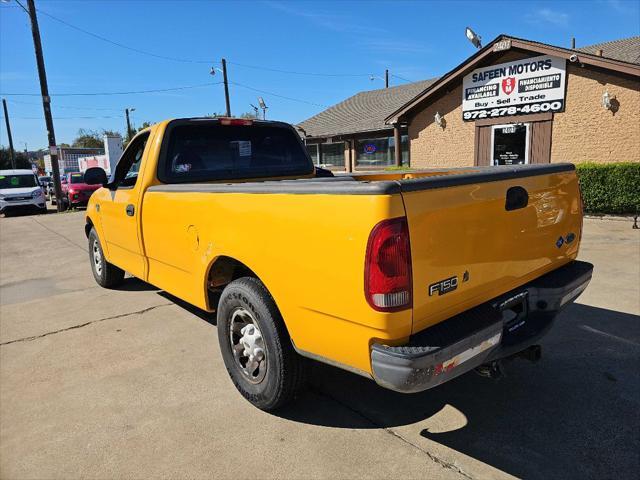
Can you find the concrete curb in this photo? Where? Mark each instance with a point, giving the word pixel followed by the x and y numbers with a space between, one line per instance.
pixel 615 218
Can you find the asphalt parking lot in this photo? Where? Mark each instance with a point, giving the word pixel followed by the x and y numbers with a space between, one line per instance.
pixel 129 383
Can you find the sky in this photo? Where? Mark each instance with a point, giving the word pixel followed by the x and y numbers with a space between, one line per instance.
pixel 332 46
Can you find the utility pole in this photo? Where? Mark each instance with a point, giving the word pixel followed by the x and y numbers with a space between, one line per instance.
pixel 386 78
pixel 129 133
pixel 46 102
pixel 12 154
pixel 226 87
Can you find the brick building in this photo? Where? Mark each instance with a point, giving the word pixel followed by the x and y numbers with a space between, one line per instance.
pixel 513 101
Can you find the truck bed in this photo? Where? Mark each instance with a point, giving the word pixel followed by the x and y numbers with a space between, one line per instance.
pixel 459 225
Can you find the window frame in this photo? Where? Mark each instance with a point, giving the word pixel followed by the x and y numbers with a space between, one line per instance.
pixel 164 147
pixel 527 139
pixel 114 184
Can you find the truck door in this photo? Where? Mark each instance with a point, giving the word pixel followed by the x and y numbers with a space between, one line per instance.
pixel 120 213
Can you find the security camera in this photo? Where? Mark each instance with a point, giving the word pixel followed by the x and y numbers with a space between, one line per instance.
pixel 573 58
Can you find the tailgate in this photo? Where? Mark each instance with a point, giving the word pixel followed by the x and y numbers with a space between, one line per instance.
pixel 475 236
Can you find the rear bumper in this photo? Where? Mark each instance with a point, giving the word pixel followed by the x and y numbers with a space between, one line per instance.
pixel 491 331
pixel 23 205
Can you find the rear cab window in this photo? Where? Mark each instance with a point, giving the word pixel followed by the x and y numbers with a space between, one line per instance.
pixel 202 151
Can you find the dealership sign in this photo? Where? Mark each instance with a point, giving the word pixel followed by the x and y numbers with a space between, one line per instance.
pixel 531 85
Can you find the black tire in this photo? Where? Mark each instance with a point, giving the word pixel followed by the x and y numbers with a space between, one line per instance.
pixel 285 370
pixel 107 275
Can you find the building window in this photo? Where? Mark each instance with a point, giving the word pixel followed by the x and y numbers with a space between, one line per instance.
pixel 380 152
pixel 332 154
pixel 312 150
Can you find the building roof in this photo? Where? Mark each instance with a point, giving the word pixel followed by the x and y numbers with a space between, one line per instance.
pixel 625 49
pixel 367 111
pixel 363 112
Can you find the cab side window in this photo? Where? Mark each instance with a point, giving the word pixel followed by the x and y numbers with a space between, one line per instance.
pixel 126 173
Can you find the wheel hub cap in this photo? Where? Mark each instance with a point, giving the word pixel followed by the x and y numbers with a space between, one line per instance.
pixel 248 345
pixel 97 258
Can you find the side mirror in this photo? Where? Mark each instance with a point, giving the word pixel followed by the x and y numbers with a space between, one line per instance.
pixel 95 176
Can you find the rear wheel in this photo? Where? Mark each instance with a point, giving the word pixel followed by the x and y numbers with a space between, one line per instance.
pixel 106 274
pixel 255 345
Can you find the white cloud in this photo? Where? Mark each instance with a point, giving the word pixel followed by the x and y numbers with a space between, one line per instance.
pixel 546 15
pixel 330 21
pixel 394 46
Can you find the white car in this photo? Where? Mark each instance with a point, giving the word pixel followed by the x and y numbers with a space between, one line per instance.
pixel 20 190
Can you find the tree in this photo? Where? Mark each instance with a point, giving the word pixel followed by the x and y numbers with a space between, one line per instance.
pixel 88 139
pixel 134 130
pixel 5 160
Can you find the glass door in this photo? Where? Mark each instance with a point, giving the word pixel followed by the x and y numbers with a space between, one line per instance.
pixel 510 144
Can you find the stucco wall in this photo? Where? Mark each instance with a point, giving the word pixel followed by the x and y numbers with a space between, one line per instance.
pixel 434 146
pixel 585 131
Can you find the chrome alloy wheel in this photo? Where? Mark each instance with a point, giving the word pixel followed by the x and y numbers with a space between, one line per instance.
pixel 97 257
pixel 247 345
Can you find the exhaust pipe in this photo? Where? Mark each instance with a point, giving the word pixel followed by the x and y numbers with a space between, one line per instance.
pixel 491 370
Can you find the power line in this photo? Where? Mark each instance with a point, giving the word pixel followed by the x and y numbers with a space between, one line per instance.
pixel 18 102
pixel 277 95
pixel 186 60
pixel 121 45
pixel 401 78
pixel 67 118
pixel 136 92
pixel 291 72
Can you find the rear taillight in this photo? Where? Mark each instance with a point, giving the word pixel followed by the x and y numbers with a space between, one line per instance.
pixel 387 268
pixel 234 121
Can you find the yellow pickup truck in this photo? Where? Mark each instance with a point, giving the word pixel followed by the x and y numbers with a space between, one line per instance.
pixel 408 278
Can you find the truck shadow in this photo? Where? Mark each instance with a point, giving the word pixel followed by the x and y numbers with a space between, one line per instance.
pixel 574 414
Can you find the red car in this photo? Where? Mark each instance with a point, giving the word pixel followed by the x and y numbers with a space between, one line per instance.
pixel 75 192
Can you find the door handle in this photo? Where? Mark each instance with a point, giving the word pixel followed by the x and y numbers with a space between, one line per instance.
pixel 130 210
pixel 517 197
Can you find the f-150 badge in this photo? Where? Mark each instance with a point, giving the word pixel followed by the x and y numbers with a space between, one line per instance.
pixel 443 286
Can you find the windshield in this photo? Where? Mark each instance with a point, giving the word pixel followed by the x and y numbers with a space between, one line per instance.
pixel 77 178
pixel 215 152
pixel 43 180
pixel 17 181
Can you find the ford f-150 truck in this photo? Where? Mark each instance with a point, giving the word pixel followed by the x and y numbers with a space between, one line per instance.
pixel 408 278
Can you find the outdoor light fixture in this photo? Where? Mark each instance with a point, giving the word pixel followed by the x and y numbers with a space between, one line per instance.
pixel 473 37
pixel 606 100
pixel 213 70
pixel 440 121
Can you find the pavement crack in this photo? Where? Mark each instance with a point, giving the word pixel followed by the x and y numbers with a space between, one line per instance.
pixel 59 234
pixel 390 431
pixel 74 327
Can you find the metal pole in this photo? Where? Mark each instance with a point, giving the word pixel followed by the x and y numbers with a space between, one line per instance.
pixel 226 87
pixel 129 133
pixel 12 154
pixel 46 104
pixel 386 78
pixel 397 140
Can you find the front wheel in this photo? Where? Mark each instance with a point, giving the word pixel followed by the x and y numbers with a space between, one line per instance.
pixel 256 347
pixel 106 274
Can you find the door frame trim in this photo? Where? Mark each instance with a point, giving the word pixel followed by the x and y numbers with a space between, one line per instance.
pixel 527 141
